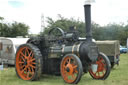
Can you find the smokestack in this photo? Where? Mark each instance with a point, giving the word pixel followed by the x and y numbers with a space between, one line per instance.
pixel 87 10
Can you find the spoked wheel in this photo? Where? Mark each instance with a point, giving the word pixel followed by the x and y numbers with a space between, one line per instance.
pixel 71 69
pixel 28 62
pixel 103 69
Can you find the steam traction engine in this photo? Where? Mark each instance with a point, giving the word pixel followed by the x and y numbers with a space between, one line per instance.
pixel 62 53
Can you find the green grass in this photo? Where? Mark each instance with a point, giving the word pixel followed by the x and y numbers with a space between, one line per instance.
pixel 118 76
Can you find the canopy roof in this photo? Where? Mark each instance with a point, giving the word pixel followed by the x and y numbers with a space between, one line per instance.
pixel 15 41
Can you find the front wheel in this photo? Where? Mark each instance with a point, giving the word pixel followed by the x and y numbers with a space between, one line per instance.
pixel 103 68
pixel 71 69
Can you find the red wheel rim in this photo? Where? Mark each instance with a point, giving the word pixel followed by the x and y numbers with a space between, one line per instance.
pixel 101 70
pixel 69 70
pixel 25 63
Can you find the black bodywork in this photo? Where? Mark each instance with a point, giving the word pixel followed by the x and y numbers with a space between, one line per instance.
pixel 53 47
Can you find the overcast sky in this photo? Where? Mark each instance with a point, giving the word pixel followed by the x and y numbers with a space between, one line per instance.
pixel 29 11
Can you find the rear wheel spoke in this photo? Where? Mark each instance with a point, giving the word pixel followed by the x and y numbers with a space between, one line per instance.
pixel 32 59
pixel 33 63
pixel 27 51
pixel 32 70
pixel 23 70
pixel 22 53
pixel 29 69
pixel 22 66
pixel 30 54
pixel 27 74
pixel 32 66
pixel 21 62
pixel 23 56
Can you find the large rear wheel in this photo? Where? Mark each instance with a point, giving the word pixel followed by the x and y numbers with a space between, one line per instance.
pixel 71 69
pixel 28 62
pixel 103 69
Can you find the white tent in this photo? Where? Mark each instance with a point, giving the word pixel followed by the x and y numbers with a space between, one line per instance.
pixel 18 41
pixel 8 48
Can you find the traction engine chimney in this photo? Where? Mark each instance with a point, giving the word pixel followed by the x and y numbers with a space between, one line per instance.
pixel 87 10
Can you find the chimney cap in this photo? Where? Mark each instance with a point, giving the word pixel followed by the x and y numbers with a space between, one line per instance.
pixel 88 2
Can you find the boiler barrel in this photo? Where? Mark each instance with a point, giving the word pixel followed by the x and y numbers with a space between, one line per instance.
pixel 66 49
pixel 84 50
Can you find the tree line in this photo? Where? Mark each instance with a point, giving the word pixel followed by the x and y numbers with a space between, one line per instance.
pixel 108 32
pixel 13 29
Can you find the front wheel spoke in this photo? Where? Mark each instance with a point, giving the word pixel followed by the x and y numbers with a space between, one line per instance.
pixel 75 66
pixel 73 76
pixel 104 64
pixel 66 76
pixel 95 73
pixel 101 59
pixel 65 71
pixel 104 69
pixel 64 67
pixel 69 60
pixel 98 73
pixel 76 71
pixel 103 72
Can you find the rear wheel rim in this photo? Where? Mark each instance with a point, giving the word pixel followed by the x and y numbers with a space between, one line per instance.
pixel 69 69
pixel 25 63
pixel 101 69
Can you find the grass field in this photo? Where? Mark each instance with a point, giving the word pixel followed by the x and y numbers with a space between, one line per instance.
pixel 118 76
